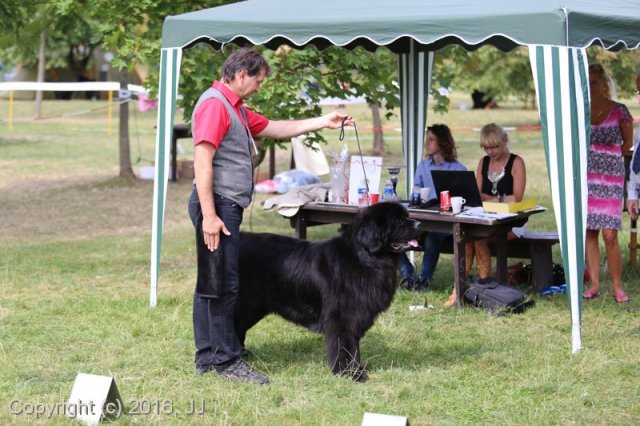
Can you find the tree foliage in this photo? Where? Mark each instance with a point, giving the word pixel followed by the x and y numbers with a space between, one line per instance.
pixel 497 74
pixel 508 74
pixel 71 35
pixel 299 79
pixel 623 67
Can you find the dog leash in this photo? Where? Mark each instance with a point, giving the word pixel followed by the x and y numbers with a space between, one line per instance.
pixel 341 138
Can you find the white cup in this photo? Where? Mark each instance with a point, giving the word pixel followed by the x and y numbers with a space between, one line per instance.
pixel 456 204
pixel 424 194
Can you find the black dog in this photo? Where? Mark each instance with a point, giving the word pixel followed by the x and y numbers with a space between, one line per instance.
pixel 336 287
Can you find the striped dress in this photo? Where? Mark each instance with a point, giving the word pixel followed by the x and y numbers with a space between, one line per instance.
pixel 605 171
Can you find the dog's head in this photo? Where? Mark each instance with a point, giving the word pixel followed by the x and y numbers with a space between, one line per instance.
pixel 385 228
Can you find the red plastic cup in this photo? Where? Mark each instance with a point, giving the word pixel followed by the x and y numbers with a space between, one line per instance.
pixel 374 198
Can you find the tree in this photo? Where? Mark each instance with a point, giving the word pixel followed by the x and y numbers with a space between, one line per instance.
pixel 132 30
pixel 623 67
pixel 497 74
pixel 27 34
pixel 502 74
pixel 299 80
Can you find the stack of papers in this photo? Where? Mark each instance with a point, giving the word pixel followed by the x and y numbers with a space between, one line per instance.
pixel 479 212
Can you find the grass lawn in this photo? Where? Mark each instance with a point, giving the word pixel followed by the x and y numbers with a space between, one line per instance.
pixel 74 297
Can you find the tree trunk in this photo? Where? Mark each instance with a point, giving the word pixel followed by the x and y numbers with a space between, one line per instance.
pixel 378 138
pixel 125 154
pixel 40 78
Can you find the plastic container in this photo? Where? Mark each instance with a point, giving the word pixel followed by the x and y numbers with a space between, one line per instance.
pixel 415 196
pixel 363 194
pixel 387 191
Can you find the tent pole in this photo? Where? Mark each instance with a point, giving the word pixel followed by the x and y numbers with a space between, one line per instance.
pixel 167 93
pixel 414 69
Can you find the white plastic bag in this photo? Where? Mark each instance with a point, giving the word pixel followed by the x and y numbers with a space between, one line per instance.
pixel 339 176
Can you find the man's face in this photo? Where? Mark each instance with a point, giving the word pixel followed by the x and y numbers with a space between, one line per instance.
pixel 247 85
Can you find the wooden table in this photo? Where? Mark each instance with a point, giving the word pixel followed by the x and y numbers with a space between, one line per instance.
pixel 180 131
pixel 463 228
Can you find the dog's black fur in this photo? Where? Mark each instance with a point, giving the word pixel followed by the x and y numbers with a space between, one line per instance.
pixel 336 287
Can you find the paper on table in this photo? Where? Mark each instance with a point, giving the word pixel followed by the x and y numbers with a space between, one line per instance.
pixel 480 213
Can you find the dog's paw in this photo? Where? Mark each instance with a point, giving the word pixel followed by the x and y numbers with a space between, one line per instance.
pixel 358 374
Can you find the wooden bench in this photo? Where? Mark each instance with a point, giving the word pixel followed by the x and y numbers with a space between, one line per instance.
pixel 532 245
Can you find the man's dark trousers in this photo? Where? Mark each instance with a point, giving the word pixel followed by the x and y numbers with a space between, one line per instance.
pixel 213 318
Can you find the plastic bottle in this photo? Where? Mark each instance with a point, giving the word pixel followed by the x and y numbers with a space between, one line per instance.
pixel 415 196
pixel 363 194
pixel 387 192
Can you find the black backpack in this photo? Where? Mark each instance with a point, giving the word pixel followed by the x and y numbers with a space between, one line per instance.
pixel 497 297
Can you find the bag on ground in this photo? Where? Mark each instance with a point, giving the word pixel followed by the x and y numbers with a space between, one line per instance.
pixel 497 297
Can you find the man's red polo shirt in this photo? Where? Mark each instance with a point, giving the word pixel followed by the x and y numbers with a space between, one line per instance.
pixel 212 120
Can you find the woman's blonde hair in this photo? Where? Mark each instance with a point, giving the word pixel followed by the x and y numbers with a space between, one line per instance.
pixel 493 135
pixel 609 89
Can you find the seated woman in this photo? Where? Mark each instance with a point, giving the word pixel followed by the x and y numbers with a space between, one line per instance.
pixel 441 155
pixel 500 175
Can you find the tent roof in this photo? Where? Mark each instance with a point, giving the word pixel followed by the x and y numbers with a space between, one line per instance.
pixel 433 24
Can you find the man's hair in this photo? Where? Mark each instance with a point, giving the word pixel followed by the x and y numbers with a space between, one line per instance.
pixel 244 59
pixel 445 141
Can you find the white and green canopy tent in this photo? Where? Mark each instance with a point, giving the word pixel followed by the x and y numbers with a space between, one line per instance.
pixel 556 32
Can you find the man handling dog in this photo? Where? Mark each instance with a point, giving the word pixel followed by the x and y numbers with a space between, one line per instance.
pixel 223 131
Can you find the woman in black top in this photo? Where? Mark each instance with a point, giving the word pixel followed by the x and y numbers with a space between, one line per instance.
pixel 502 176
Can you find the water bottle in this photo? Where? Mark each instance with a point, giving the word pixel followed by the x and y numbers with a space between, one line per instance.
pixel 414 200
pixel 387 192
pixel 363 194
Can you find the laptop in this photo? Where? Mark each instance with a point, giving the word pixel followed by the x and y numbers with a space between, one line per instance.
pixel 459 184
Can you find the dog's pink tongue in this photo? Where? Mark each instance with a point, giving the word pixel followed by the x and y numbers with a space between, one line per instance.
pixel 413 243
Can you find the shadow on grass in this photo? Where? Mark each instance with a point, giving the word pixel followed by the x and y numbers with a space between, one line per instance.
pixel 379 351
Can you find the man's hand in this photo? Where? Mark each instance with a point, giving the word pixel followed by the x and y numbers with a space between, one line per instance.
pixel 334 120
pixel 284 129
pixel 211 228
pixel 632 208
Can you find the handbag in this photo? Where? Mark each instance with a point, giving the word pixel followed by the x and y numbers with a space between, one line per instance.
pixel 496 297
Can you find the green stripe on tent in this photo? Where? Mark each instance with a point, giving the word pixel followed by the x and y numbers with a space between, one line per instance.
pixel 169 76
pixel 414 69
pixel 560 77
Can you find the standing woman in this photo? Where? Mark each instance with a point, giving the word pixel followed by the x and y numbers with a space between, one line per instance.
pixel 611 135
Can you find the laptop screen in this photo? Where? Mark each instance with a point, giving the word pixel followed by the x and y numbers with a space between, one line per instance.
pixel 459 184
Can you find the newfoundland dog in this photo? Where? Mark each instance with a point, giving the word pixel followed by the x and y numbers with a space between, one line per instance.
pixel 336 287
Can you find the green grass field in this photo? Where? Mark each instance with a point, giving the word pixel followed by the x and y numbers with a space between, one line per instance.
pixel 74 297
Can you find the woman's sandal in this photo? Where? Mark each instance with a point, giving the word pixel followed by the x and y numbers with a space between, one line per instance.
pixel 621 297
pixel 591 294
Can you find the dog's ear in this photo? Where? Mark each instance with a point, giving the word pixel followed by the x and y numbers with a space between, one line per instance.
pixel 373 233
pixel 372 238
